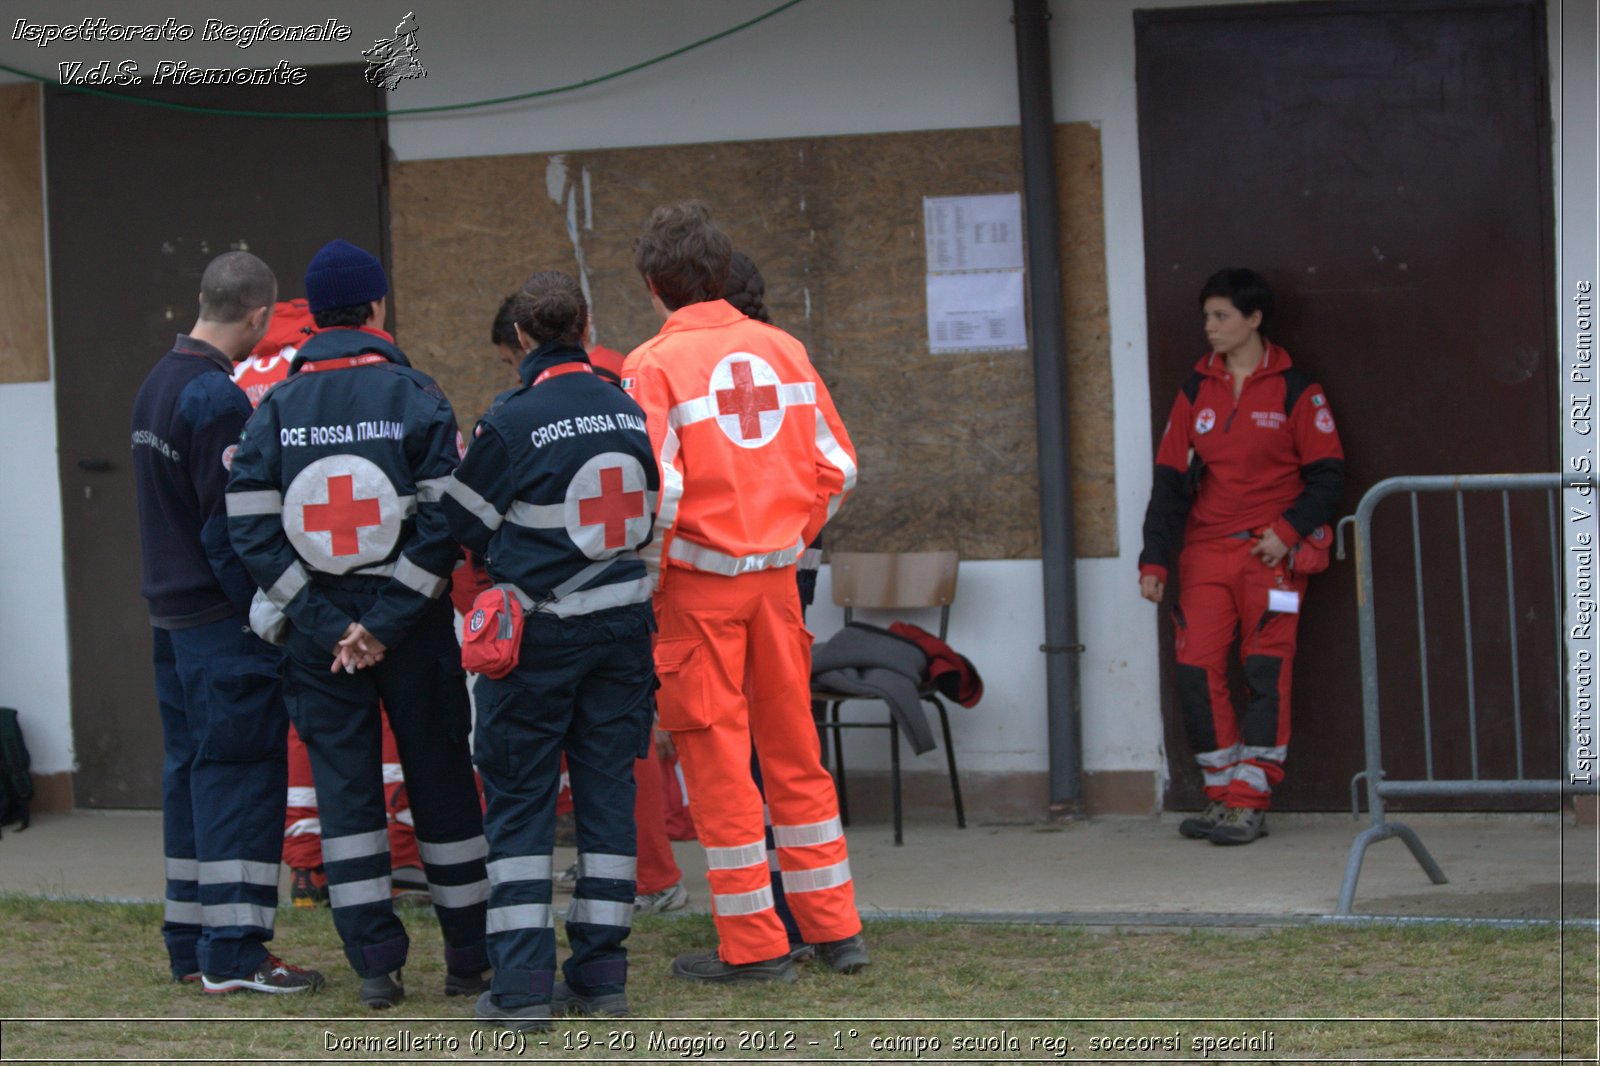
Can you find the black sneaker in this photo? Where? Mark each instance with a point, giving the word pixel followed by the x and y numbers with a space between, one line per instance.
pixel 272 976
pixel 1240 825
pixel 800 951
pixel 534 1018
pixel 1199 826
pixel 846 956
pixel 708 966
pixel 564 1000
pixel 384 991
pixel 465 984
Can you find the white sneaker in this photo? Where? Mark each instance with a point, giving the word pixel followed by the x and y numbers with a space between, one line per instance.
pixel 670 898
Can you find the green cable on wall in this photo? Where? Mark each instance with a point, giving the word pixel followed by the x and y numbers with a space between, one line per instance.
pixel 363 115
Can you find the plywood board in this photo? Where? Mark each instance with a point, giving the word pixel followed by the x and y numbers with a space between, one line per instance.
pixel 947 445
pixel 24 319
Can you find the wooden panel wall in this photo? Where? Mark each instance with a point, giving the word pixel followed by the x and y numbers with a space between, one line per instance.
pixel 946 443
pixel 24 321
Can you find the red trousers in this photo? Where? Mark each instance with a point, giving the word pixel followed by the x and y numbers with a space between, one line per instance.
pixel 734 659
pixel 302 829
pixel 1225 594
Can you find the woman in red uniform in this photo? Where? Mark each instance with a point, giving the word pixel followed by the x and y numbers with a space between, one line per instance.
pixel 1251 458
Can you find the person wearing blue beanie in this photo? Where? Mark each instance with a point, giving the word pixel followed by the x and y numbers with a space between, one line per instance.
pixel 343 275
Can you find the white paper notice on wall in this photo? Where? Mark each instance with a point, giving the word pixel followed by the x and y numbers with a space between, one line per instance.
pixel 973 232
pixel 976 311
pixel 975 273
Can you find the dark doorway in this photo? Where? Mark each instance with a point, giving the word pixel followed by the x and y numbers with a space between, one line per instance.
pixel 141 198
pixel 1387 167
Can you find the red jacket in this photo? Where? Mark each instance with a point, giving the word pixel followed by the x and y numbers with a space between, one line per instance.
pixel 1270 458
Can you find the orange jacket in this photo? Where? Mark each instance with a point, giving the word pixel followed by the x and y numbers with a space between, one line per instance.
pixel 754 458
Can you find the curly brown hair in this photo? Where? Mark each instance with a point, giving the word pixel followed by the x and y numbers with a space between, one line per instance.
pixel 683 255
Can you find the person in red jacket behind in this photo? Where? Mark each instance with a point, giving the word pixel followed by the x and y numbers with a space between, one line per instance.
pixel 268 364
pixel 754 460
pixel 1257 434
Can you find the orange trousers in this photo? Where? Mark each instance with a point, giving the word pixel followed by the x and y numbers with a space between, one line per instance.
pixel 734 659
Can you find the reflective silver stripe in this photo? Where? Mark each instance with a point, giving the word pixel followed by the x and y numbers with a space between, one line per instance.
pixel 305 827
pixel 667 513
pixel 1252 776
pixel 456 851
pixel 182 912
pixel 810 559
pixel 521 916
pixel 183 870
pixel 828 445
pixel 239 872
pixel 480 508
pixel 737 858
pixel 418 580
pixel 772 862
pixel 615 867
pixel 355 893
pixel 820 878
pixel 1277 754
pixel 262 501
pixel 537 515
pixel 218 915
pixel 1218 778
pixel 432 490
pixel 738 903
pixel 805 836
pixel 689 412
pixel 301 796
pixel 288 585
pixel 1219 758
pixel 393 774
pixel 376 570
pixel 602 598
pixel 459 895
pixel 798 393
pixel 601 912
pixel 716 562
pixel 519 868
pixel 355 846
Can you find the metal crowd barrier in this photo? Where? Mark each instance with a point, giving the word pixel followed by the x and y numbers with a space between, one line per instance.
pixel 1379 785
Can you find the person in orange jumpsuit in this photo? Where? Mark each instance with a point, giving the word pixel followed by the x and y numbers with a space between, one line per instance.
pixel 754 461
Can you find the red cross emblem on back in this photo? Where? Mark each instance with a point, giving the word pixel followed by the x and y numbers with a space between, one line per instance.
pixel 343 516
pixel 747 400
pixel 613 507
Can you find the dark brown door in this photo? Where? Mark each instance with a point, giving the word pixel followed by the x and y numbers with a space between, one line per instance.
pixel 1386 166
pixel 141 198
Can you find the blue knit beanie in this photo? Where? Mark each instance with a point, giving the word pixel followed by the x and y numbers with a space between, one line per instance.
pixel 342 275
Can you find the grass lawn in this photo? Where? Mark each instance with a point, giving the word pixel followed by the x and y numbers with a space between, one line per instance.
pixel 88 981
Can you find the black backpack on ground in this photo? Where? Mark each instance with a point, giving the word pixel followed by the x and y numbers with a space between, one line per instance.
pixel 16 783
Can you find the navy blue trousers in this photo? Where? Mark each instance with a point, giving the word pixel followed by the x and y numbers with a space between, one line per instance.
pixel 584 686
pixel 422 686
pixel 223 783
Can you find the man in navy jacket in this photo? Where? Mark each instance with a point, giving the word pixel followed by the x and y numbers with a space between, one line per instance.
pixel 222 713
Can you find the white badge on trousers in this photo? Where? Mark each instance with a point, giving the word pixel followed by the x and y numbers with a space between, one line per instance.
pixel 1283 601
pixel 342 513
pixel 747 399
pixel 608 507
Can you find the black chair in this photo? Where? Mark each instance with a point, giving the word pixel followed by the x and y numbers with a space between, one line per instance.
pixel 893 581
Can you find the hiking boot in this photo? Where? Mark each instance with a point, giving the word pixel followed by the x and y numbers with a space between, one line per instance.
pixel 802 952
pixel 383 991
pixel 1240 825
pixel 273 976
pixel 708 966
pixel 565 1000
pixel 308 887
pixel 408 884
pixel 846 956
pixel 191 978
pixel 1199 826
pixel 671 898
pixel 565 881
pixel 534 1018
pixel 465 984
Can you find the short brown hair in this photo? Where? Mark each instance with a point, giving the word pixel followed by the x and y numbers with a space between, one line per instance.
pixel 683 254
pixel 550 307
pixel 235 284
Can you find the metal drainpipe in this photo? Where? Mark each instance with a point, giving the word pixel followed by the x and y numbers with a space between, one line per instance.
pixel 1061 647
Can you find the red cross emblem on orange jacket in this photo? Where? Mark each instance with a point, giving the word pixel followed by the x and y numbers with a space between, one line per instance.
pixel 747 400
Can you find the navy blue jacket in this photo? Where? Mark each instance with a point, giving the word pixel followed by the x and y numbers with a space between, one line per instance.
pixel 336 484
pixel 186 421
pixel 559 476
